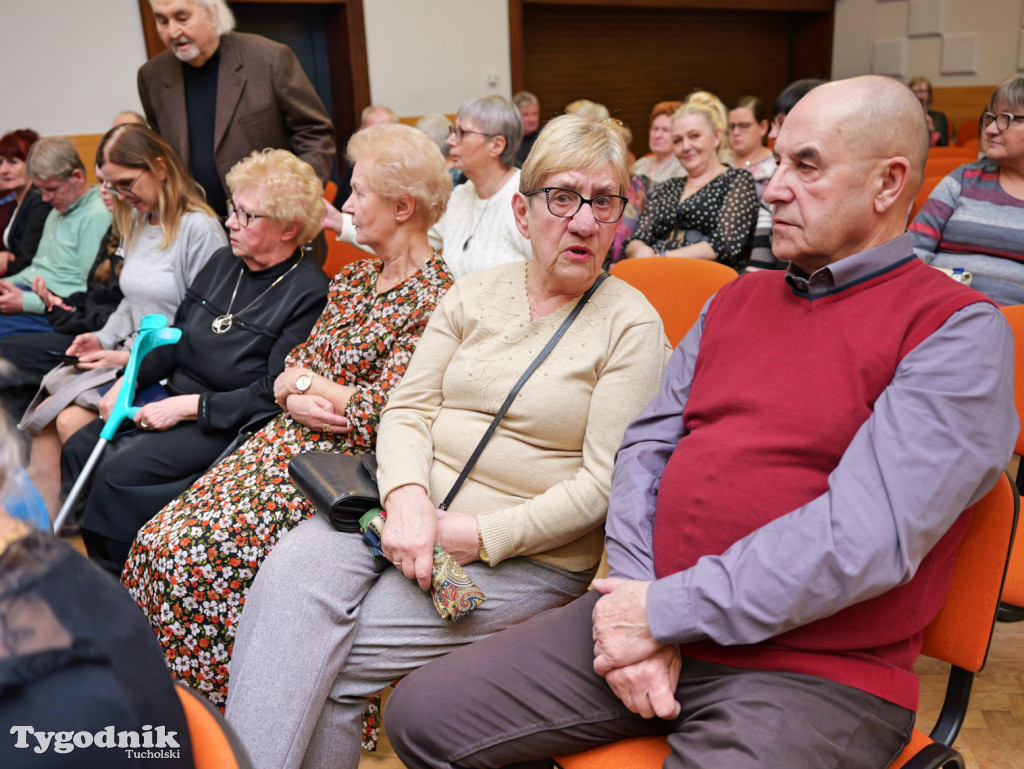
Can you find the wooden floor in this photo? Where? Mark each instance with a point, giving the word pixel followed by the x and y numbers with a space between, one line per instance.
pixel 992 738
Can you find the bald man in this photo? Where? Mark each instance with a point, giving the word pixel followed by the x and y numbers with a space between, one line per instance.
pixel 783 518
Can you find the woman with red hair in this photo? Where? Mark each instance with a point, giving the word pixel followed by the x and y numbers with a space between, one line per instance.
pixel 24 227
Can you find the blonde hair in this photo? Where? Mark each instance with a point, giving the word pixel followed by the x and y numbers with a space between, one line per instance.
pixel 292 193
pixel 587 109
pixel 135 146
pixel 715 115
pixel 571 142
pixel 404 161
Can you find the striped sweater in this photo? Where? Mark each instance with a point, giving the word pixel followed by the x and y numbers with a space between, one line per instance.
pixel 969 221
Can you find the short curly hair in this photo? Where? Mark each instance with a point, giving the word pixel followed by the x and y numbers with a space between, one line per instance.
pixel 404 161
pixel 292 193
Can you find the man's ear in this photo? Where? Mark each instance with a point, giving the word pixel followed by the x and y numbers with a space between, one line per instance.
pixel 521 212
pixel 891 184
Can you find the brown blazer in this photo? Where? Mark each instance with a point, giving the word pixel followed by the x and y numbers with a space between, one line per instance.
pixel 264 99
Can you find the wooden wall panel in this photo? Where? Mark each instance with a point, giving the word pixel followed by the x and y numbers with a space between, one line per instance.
pixel 628 58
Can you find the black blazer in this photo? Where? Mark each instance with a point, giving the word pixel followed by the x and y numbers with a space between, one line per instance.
pixel 26 229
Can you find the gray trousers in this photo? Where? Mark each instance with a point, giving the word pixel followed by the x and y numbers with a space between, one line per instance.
pixel 530 692
pixel 326 626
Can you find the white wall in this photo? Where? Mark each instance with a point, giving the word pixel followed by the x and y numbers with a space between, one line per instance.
pixel 990 30
pixel 431 56
pixel 68 66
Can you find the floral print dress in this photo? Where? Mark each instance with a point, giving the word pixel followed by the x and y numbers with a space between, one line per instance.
pixel 192 564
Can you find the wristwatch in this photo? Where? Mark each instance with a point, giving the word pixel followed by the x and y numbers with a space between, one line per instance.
pixel 482 552
pixel 303 382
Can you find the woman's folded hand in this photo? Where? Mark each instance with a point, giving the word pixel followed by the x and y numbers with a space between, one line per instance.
pixel 316 413
pixel 410 532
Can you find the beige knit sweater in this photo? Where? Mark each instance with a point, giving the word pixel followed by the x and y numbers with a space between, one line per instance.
pixel 540 489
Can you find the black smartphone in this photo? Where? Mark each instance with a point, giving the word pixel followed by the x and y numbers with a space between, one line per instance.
pixel 62 356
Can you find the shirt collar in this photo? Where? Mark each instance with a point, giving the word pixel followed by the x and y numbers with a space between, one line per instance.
pixel 850 269
pixel 87 195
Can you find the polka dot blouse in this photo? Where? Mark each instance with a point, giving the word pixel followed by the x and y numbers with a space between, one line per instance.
pixel 723 213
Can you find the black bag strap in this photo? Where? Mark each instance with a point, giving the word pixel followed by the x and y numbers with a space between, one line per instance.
pixel 519 386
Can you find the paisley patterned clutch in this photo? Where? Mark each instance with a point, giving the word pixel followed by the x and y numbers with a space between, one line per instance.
pixel 454 594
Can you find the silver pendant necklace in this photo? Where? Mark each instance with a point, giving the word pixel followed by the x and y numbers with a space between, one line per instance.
pixel 222 323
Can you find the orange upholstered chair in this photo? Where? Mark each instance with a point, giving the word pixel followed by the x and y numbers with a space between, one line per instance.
pixel 940 166
pixel 677 287
pixel 960 635
pixel 340 253
pixel 923 194
pixel 1013 592
pixel 966 132
pixel 952 151
pixel 214 743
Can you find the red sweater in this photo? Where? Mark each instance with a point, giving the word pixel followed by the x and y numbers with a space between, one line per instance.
pixel 781 385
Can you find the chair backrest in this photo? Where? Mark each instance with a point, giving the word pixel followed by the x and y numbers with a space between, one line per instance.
pixel 677 287
pixel 214 743
pixel 940 166
pixel 330 191
pixel 961 632
pixel 952 151
pixel 340 253
pixel 966 132
pixel 924 193
pixel 1013 591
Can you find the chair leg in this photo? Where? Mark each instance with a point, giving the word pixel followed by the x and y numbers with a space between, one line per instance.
pixel 1010 613
pixel 936 756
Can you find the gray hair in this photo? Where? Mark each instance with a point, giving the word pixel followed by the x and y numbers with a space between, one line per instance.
pixel 220 12
pixel 53 156
pixel 497 116
pixel 1011 91
pixel 525 99
pixel 436 126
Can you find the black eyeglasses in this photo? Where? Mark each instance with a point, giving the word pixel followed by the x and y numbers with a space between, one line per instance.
pixel 460 133
pixel 243 217
pixel 565 204
pixel 125 193
pixel 1002 120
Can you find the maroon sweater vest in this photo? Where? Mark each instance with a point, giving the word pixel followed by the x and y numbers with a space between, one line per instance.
pixel 781 385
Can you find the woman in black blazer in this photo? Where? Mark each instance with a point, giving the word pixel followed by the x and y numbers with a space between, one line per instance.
pixel 20 238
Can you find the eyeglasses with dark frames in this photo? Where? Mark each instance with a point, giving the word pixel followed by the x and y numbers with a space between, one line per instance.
pixel 125 193
pixel 243 217
pixel 1002 120
pixel 565 204
pixel 460 133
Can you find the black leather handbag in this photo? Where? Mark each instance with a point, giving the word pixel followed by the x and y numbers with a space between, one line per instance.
pixel 341 486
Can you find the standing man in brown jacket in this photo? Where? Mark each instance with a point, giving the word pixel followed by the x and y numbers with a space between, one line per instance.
pixel 216 95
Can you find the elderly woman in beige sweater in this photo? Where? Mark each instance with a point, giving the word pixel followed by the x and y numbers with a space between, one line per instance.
pixel 325 625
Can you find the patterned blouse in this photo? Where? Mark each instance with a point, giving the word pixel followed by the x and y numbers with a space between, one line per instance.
pixel 723 213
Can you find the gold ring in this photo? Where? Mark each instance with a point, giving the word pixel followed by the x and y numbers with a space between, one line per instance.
pixel 327 428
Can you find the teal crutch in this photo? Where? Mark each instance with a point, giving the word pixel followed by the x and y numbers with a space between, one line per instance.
pixel 153 333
